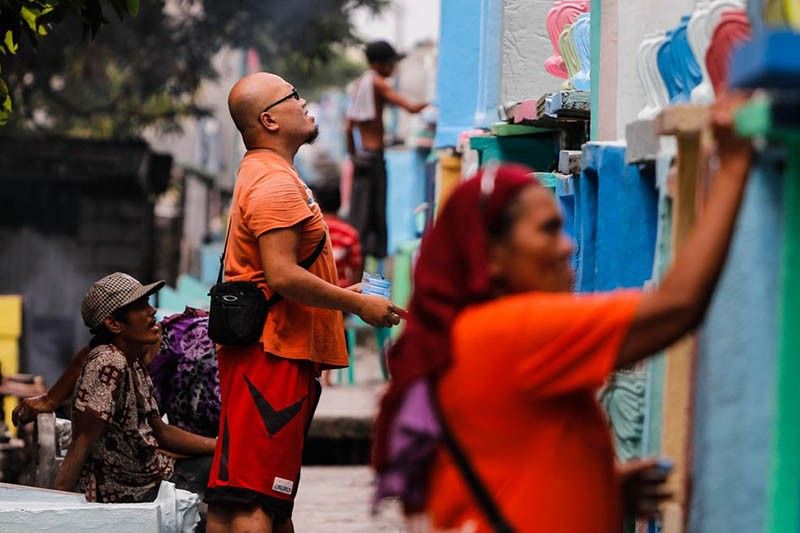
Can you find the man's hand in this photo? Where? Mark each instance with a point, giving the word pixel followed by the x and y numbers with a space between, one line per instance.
pixel 356 288
pixel 380 312
pixel 181 442
pixel 28 408
pixel 643 487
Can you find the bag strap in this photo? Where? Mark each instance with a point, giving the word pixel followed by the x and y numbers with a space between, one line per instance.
pixel 308 261
pixel 485 501
pixel 305 263
pixel 222 255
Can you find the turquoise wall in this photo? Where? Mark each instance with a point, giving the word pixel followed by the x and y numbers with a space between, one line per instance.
pixel 469 66
pixel 405 192
pixel 615 225
pixel 735 372
pixel 616 220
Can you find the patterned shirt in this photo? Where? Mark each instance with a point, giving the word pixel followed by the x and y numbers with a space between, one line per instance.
pixel 124 465
pixel 346 250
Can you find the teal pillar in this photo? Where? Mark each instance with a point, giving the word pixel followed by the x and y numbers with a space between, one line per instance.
pixel 596 30
pixel 783 491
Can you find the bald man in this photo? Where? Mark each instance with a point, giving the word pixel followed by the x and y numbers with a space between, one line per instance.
pixel 278 240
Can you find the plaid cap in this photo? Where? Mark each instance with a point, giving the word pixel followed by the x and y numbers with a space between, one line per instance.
pixel 108 294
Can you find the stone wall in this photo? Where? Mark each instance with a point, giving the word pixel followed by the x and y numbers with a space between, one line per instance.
pixel 526 46
pixel 75 211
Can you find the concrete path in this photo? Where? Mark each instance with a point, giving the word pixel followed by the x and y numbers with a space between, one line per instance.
pixel 337 499
pixel 345 410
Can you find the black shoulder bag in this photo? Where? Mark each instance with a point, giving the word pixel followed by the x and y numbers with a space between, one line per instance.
pixel 239 308
pixel 482 497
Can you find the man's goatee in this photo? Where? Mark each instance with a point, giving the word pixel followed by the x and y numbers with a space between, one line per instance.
pixel 312 136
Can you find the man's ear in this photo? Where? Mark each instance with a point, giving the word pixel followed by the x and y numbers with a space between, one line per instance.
pixel 268 122
pixel 112 325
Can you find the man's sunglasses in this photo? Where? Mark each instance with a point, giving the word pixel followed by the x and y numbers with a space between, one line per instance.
pixel 289 96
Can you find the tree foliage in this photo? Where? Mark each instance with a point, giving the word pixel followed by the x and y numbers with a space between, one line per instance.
pixel 33 19
pixel 145 70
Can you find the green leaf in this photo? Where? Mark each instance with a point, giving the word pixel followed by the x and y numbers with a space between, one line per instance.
pixel 41 27
pixel 9 43
pixel 29 16
pixel 133 7
pixel 32 18
pixel 5 104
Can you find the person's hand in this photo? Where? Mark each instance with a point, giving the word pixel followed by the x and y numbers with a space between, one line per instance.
pixel 643 487
pixel 731 149
pixel 379 312
pixel 28 408
pixel 356 287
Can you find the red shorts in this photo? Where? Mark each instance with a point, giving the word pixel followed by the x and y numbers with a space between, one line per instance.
pixel 267 405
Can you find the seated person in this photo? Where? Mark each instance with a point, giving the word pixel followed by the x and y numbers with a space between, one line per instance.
pixel 117 429
pixel 183 369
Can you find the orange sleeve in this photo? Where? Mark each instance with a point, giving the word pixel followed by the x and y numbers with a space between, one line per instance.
pixel 550 344
pixel 275 202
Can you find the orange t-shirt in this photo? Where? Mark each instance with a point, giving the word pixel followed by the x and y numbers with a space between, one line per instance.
pixel 520 400
pixel 270 195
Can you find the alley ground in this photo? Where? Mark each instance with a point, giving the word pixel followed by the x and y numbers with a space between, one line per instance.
pixel 339 498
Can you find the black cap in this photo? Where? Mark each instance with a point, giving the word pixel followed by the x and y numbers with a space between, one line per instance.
pixel 382 52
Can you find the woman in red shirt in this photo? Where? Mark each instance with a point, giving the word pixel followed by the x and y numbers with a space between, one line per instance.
pixel 514 359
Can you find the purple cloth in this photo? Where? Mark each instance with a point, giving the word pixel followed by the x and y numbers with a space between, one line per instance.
pixel 413 436
pixel 186 375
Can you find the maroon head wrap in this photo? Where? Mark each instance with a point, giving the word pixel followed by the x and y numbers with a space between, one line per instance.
pixel 451 273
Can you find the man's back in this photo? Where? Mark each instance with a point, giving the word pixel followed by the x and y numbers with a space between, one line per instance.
pixel 372 130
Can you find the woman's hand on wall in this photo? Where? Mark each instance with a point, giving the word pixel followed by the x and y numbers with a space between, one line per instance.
pixel 731 149
pixel 643 487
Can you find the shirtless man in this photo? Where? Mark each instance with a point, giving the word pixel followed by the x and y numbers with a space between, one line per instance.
pixel 370 94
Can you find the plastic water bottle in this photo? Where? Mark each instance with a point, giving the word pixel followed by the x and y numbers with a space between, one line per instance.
pixel 376 284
